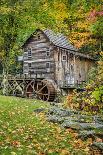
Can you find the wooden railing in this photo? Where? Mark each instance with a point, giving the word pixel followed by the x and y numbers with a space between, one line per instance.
pixel 22 76
pixel 78 84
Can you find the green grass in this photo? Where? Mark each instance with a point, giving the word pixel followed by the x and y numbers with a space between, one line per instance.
pixel 22 132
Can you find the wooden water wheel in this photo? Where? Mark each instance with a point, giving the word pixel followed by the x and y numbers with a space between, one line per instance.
pixel 44 90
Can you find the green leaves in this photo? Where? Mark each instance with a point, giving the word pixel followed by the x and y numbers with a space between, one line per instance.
pixel 97 27
pixel 98 93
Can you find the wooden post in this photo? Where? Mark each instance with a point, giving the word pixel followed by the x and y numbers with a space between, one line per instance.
pixel 74 69
pixel 5 82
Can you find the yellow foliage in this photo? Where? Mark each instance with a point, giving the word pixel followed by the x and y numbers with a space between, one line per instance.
pixel 59 13
pixel 64 152
pixel 5 10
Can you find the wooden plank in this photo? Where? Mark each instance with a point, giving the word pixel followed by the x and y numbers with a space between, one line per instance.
pixel 39 60
pixel 74 69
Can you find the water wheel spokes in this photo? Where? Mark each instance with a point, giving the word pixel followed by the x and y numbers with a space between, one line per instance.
pixel 41 90
pixel 45 90
pixel 42 96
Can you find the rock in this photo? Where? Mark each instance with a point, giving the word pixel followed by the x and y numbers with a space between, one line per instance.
pixel 72 125
pixel 85 119
pixel 91 126
pixel 99 120
pixel 87 125
pixel 54 104
pixel 99 145
pixel 59 111
pixel 86 134
pixel 99 133
pixel 39 110
pixel 55 119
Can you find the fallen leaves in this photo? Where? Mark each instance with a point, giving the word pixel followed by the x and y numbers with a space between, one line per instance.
pixel 99 140
pixel 78 143
pixel 15 144
pixel 65 152
pixel 26 133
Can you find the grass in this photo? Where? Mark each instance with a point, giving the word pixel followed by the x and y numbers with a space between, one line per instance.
pixel 22 132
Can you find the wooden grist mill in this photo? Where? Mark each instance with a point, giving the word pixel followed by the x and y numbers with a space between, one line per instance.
pixel 32 88
pixel 50 65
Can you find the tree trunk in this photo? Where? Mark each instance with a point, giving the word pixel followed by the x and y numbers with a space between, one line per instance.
pixel 5 80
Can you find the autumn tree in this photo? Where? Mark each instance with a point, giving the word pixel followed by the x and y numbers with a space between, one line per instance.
pixel 15 19
pixel 18 19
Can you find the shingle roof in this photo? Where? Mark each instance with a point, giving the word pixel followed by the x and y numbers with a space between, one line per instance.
pixel 59 40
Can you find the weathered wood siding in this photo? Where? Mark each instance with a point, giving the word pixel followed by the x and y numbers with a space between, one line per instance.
pixel 83 66
pixel 39 45
pixel 60 65
pixel 64 71
pixel 71 71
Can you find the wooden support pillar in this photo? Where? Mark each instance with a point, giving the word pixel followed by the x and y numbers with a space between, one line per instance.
pixel 74 69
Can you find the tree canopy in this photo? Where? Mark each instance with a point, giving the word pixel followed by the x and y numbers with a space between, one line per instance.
pixel 80 20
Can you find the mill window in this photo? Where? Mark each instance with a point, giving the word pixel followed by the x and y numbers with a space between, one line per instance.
pixel 29 53
pixel 48 53
pixel 29 65
pixel 48 65
pixel 39 37
pixel 64 58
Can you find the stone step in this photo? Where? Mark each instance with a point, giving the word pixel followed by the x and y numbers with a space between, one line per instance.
pixel 98 145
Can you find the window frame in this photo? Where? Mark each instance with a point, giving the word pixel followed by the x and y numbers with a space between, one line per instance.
pixel 39 37
pixel 48 53
pixel 29 52
pixel 63 57
pixel 29 65
pixel 47 64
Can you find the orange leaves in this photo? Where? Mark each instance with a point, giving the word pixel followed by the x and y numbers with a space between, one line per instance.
pixel 89 141
pixel 15 144
pixel 92 16
pixel 70 102
pixel 78 143
pixel 99 140
pixel 81 33
pixel 74 135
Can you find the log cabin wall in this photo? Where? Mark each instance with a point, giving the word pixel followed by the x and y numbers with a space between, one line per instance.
pixel 40 61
